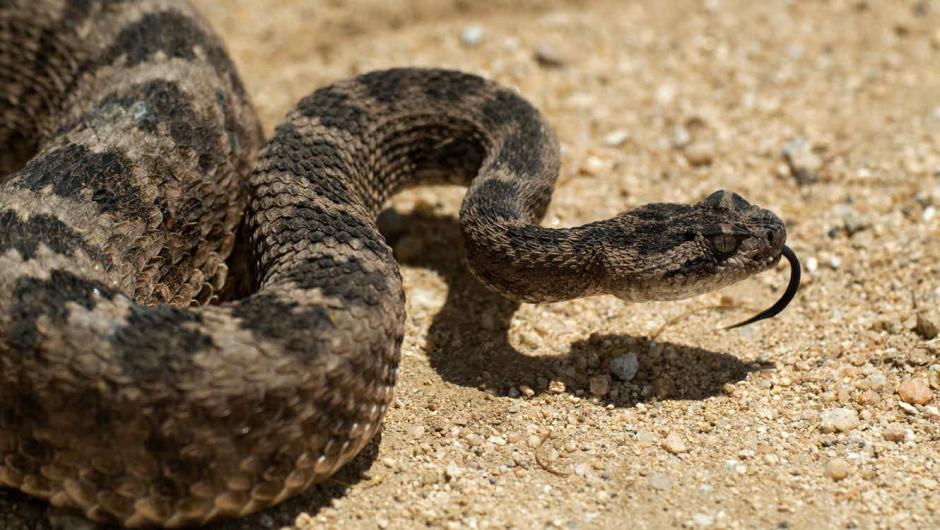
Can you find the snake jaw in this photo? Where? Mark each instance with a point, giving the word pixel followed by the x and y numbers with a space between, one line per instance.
pixel 787 296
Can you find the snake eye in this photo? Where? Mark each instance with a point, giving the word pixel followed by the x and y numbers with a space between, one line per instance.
pixel 724 243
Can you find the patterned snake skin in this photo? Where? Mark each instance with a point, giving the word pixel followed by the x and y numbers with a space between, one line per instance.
pixel 146 381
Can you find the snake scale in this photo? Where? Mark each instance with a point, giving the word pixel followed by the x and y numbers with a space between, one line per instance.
pixel 193 325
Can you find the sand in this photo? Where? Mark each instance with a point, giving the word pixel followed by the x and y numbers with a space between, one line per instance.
pixel 509 416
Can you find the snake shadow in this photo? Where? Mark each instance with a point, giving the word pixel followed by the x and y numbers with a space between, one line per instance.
pixel 468 340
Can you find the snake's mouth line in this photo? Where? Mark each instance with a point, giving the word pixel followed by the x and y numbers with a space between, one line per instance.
pixel 792 287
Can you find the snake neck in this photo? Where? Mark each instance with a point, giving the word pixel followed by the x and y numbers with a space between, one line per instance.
pixel 534 264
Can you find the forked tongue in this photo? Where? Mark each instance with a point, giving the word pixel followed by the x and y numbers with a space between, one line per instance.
pixel 784 300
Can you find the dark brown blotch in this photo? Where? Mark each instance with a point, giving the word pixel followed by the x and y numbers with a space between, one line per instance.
pixel 26 236
pixel 34 298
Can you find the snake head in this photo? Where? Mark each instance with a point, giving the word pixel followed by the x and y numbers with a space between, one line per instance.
pixel 673 251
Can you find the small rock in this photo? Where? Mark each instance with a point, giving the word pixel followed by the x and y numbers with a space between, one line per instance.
pixel 453 471
pixel 838 419
pixel 894 432
pixel 680 137
pixel 660 481
pixel 556 387
pixel 735 466
pixel 549 56
pixel 700 154
pixel 645 437
pixel 933 376
pixel 915 391
pixel 592 166
pixel 702 520
pixel 600 385
pixel 876 381
pixel 625 366
pixel 526 391
pixel 674 443
pixel 838 468
pixel 868 397
pixel 472 35
pixel 812 264
pixel 852 220
pixel 616 138
pixel 928 322
pixel 803 162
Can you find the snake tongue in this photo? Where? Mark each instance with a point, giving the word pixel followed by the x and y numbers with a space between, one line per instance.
pixel 784 300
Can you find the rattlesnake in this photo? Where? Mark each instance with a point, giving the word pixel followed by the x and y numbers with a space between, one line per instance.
pixel 137 384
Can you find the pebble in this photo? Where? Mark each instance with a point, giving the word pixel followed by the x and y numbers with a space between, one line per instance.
pixel 700 154
pixel 645 437
pixel 928 322
pixel 915 391
pixel 556 387
pixel 600 385
pixel 838 468
pixel 660 481
pixel 933 376
pixel 453 471
pixel 876 381
pixel 549 56
pixel 592 166
pixel 674 443
pixel 526 391
pixel 838 419
pixel 702 520
pixel 852 220
pixel 616 138
pixel 625 366
pixel 812 264
pixel 472 35
pixel 894 432
pixel 803 163
pixel 680 137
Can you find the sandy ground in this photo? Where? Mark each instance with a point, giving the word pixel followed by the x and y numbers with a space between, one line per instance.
pixel 507 416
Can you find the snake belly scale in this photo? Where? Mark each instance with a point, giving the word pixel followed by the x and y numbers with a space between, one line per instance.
pixel 147 377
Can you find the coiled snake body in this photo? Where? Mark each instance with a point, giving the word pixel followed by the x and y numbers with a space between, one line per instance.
pixel 127 144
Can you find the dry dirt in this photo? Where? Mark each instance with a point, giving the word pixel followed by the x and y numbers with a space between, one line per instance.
pixel 506 416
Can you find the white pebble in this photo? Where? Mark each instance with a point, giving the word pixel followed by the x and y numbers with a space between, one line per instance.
pixel 616 138
pixel 702 520
pixel 625 366
pixel 453 470
pixel 812 264
pixel 735 466
pixel 674 443
pixel 472 35
pixel 838 419
pixel 660 481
